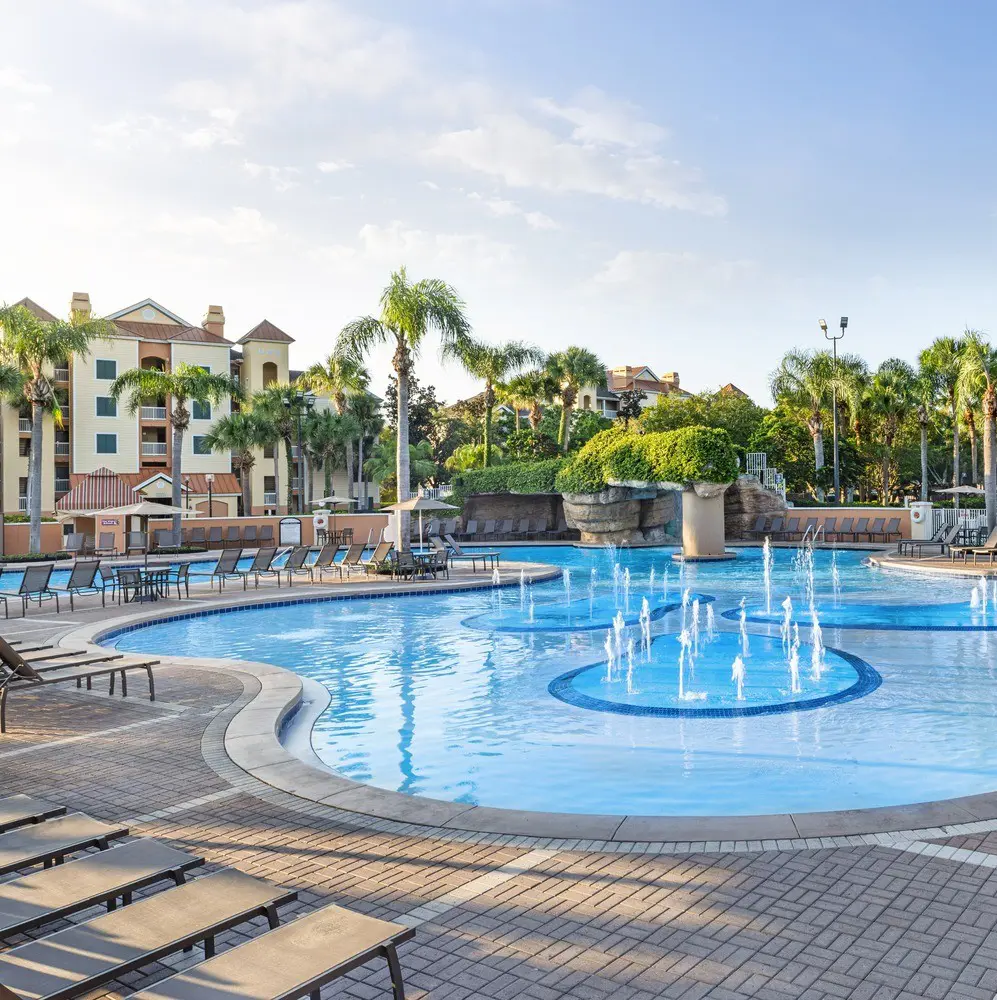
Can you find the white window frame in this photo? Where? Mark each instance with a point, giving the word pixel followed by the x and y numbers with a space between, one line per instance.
pixel 98 434
pixel 194 451
pixel 110 361
pixel 105 416
pixel 194 403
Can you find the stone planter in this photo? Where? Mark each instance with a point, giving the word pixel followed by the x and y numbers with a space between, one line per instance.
pixel 703 535
pixel 626 513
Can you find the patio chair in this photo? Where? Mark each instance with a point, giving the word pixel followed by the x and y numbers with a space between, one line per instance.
pixel 177 576
pixel 948 538
pixel 215 537
pixel 988 548
pixel 792 530
pixel 166 540
pixel 861 528
pixel 232 536
pixel 227 568
pixel 488 558
pixel 262 564
pixel 892 530
pixel 380 559
pixel 83 580
pixel 470 530
pixel 34 587
pixel 809 528
pixel 59 666
pixel 296 565
pixel 346 536
pixel 266 534
pixel 439 562
pixel 136 541
pixel 325 560
pixel 908 543
pixel 106 546
pixel 249 536
pixel 487 530
pixel 775 528
pixel 74 543
pixel 352 560
pixel 839 531
pixel 876 528
pixel 758 530
pixel 325 944
pixel 540 530
pixel 404 565
pixel 109 581
pixel 24 810
pixel 562 530
pixel 197 538
pixel 50 842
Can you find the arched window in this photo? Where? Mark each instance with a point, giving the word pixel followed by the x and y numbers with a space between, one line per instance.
pixel 586 402
pixel 269 373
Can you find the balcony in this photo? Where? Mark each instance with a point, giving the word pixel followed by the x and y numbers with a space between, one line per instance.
pixel 61 487
pixel 24 425
pixel 153 413
pixel 61 375
pixel 269 499
pixel 62 447
pixel 154 448
pixel 22 504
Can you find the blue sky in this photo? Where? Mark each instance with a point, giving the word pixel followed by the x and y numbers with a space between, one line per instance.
pixel 686 185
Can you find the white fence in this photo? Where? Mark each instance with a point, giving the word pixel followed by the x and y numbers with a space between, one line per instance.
pixel 971 517
pixel 436 492
pixel 756 464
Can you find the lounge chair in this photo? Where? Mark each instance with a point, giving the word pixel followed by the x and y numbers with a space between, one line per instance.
pixel 948 538
pixel 215 537
pixel 352 560
pixel 177 576
pixel 758 530
pixel 42 897
pixel 840 530
pixel 106 546
pixel 81 958
pixel 469 531
pixel 792 530
pixel 988 548
pixel 826 528
pixel 503 530
pixel 83 580
pixel 262 565
pixel 488 558
pixel 487 530
pixel 775 528
pixel 521 530
pixel 266 535
pixel 57 666
pixel 876 528
pixel 78 544
pixel 34 586
pixel 232 536
pixel 541 529
pixel 325 560
pixel 24 810
pixel 49 842
pixel 809 528
pixel 905 543
pixel 380 559
pixel 166 540
pixel 296 565
pixel 861 528
pixel 892 530
pixel 249 536
pixel 227 568
pixel 136 541
pixel 293 961
pixel 196 537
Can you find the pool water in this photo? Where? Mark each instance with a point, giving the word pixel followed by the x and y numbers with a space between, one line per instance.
pixel 460 696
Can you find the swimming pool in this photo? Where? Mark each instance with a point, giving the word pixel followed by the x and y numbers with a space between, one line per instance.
pixel 473 697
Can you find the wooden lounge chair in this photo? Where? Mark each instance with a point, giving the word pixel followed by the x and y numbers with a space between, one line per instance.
pixel 136 541
pixel 227 568
pixel 83 580
pixel 352 560
pixel 296 565
pixel 380 559
pixel 106 546
pixel 325 560
pixel 78 959
pixel 489 558
pixel 293 961
pixel 49 842
pixel 988 548
pixel 22 810
pixel 56 666
pixel 41 897
pixel 34 586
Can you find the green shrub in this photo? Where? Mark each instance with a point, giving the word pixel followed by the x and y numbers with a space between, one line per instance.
pixel 518 477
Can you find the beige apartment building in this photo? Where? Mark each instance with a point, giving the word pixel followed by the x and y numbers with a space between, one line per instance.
pixel 99 432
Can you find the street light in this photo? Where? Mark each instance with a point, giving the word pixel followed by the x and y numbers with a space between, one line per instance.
pixel 210 478
pixel 186 486
pixel 299 403
pixel 834 338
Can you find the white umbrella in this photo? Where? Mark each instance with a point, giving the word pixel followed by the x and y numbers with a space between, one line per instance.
pixel 145 509
pixel 333 502
pixel 419 504
pixel 963 491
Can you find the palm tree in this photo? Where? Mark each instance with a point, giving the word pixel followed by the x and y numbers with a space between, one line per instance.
pixel 240 433
pixel 978 375
pixel 944 358
pixel 530 391
pixel 383 460
pixel 11 390
pixel 32 346
pixel 891 401
pixel 969 403
pixel 494 363
pixel 572 369
pixel 924 393
pixel 280 425
pixel 366 411
pixel 186 383
pixel 340 377
pixel 327 435
pixel 409 311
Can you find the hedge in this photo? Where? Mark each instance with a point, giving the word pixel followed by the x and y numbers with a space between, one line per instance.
pixel 686 455
pixel 517 477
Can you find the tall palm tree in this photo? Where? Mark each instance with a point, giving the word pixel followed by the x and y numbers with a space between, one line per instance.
pixel 328 435
pixel 383 460
pixel 944 358
pixel 33 347
pixel 409 312
pixel 925 392
pixel 185 384
pixel 530 390
pixel 572 369
pixel 891 402
pixel 240 433
pixel 11 390
pixel 970 403
pixel 340 377
pixel 280 424
pixel 493 364
pixel 366 411
pixel 978 374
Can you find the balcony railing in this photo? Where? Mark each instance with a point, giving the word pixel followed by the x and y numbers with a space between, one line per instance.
pixel 24 425
pixel 22 503
pixel 62 486
pixel 62 447
pixel 269 499
pixel 62 375
pixel 153 412
pixel 153 447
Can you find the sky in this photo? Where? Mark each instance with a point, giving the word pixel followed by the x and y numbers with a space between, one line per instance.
pixel 688 186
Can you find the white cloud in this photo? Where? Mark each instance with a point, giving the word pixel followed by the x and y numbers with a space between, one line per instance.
pixel 13 79
pixel 333 166
pixel 599 120
pixel 240 227
pixel 652 270
pixel 503 208
pixel 135 130
pixel 431 185
pixel 282 178
pixel 524 155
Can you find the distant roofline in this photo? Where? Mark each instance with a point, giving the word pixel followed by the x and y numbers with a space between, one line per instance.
pixel 149 302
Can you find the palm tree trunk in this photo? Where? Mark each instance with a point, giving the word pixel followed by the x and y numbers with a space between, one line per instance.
pixel 885 477
pixel 327 463
pixel 562 428
pixel 536 415
pixel 245 474
pixel 488 426
pixel 349 469
pixel 973 450
pixel 402 364
pixel 990 454
pixel 3 486
pixel 955 452
pixel 35 480
pixel 924 462
pixel 289 454
pixel 276 474
pixel 176 473
pixel 363 475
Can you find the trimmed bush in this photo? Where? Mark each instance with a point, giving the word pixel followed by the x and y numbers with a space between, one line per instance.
pixel 518 477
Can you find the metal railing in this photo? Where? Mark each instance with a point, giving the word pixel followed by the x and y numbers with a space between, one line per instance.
pixel 62 486
pixel 435 492
pixel 61 375
pixel 62 447
pixel 153 447
pixel 965 517
pixel 24 425
pixel 269 499
pixel 153 412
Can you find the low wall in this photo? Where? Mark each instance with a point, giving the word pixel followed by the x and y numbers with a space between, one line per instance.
pixel 823 513
pixel 511 507
pixel 15 538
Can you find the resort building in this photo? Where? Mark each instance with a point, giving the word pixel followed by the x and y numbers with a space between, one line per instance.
pixel 98 432
pixel 606 399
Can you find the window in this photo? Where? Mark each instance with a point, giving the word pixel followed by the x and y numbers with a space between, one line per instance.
pixel 24 447
pixel 268 451
pixel 105 369
pixel 107 406
pixel 200 411
pixel 107 444
pixel 198 442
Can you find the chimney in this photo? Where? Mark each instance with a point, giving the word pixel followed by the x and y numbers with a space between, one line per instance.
pixel 80 304
pixel 672 377
pixel 214 321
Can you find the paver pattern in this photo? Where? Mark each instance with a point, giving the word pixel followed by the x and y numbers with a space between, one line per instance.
pixel 503 919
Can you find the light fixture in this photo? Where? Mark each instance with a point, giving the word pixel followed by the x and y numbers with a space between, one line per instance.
pixel 823 324
pixel 844 322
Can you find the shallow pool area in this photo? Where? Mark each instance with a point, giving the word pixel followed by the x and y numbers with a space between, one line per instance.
pixel 633 685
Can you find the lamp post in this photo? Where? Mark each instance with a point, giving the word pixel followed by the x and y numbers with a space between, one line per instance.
pixel 210 478
pixel 186 486
pixel 834 338
pixel 299 403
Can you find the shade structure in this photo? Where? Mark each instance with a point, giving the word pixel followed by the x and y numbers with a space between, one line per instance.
pixel 418 505
pixel 99 489
pixel 146 509
pixel 963 491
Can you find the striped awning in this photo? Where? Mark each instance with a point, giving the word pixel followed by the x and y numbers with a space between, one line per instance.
pixel 99 489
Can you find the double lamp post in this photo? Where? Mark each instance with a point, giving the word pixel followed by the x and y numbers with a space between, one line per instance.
pixel 834 338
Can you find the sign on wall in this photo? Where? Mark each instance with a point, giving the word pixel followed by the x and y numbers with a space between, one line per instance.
pixel 289 531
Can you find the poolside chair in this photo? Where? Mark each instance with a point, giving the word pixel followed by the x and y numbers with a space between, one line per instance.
pixel 775 528
pixel 196 538
pixel 24 810
pixel 541 529
pixel 439 562
pixel 892 530
pixel 296 564
pixel 908 543
pixel 352 560
pixel 562 531
pixel 74 544
pixel 49 843
pixel 82 580
pixel 809 528
pixel 839 531
pixel 826 528
pixel 18 670
pixel 177 576
pixel 249 538
pixel 469 531
pixel 227 568
pixel 758 530
pixel 948 538
pixel 325 560
pixel 34 586
pixel 231 536
pixel 503 530
pixel 108 580
pixel 263 564
pixel 791 532
pixel 106 546
pixel 215 537
pixel 346 536
pixel 136 541
pixel 404 565
pixel 876 528
pixel 166 540
pixel 988 548
pixel 266 535
pixel 488 558
pixel 380 559
pixel 861 528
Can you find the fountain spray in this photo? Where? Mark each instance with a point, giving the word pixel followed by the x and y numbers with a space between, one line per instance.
pixel 664 585
pixel 618 628
pixel 566 579
pixel 616 584
pixel 711 623
pixel 817 647
pixel 743 619
pixel 645 627
pixel 522 590
pixel 650 581
pixel 593 579
pixel 630 666
pixel 835 577
pixel 787 618
pixel 626 589
pixel 685 605
pixel 794 661
pixel 610 654
pixel 737 676
pixel 983 593
pixel 496 577
pixel 767 573
pixel 695 627
pixel 685 642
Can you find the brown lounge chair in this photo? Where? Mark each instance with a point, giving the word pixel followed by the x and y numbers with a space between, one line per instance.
pixel 948 536
pixel 988 549
pixel 489 558
pixel 380 558
pixel 293 961
pixel 58 666
pixel 49 842
pixel 21 810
